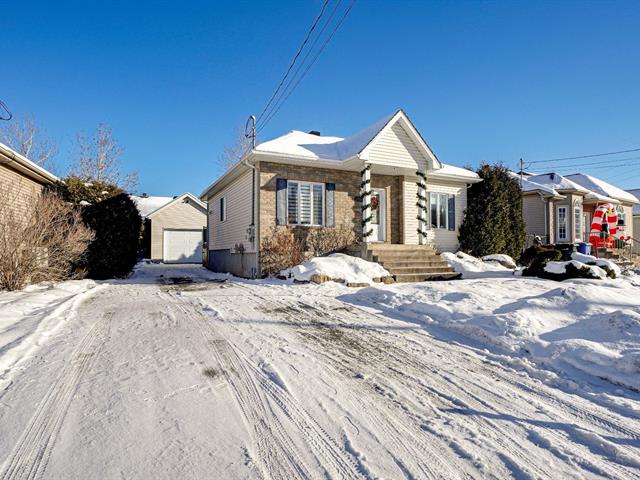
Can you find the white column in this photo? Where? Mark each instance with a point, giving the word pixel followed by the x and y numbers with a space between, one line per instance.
pixel 366 202
pixel 422 206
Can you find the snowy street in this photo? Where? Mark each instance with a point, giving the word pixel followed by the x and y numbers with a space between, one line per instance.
pixel 161 377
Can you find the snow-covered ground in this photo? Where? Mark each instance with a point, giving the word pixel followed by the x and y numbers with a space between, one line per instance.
pixel 157 377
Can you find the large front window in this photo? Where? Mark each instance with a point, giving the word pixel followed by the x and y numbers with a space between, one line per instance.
pixel 439 208
pixel 305 203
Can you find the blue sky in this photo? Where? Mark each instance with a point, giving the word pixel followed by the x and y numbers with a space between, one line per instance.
pixel 482 81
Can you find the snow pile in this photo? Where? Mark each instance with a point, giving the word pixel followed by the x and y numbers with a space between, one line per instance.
pixel 560 268
pixel 581 327
pixel 338 267
pixel 472 267
pixel 504 260
pixel 600 262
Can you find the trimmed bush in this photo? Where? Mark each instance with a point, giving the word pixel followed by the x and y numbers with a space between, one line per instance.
pixel 280 250
pixel 493 219
pixel 536 258
pixel 116 223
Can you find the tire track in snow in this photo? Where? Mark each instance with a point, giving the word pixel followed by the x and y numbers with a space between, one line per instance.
pixel 254 391
pixel 30 456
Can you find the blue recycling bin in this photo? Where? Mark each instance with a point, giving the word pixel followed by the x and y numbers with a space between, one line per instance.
pixel 584 248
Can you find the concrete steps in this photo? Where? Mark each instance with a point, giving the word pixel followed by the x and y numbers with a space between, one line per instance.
pixel 410 263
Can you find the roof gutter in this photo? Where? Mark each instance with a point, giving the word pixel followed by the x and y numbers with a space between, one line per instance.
pixel 26 166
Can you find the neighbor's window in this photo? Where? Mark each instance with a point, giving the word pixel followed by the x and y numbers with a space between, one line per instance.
pixel 305 203
pixel 577 220
pixel 621 216
pixel 439 208
pixel 223 209
pixel 562 223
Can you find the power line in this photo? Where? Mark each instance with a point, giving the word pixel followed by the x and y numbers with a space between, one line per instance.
pixel 7 115
pixel 584 156
pixel 313 61
pixel 611 162
pixel 295 58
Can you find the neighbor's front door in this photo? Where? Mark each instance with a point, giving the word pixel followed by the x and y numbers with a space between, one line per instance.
pixel 378 215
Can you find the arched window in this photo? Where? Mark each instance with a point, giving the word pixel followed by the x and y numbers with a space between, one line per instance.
pixel 577 220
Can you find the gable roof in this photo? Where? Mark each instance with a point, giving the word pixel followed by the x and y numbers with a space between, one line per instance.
pixel 601 188
pixel 635 193
pixel 557 182
pixel 310 146
pixel 179 199
pixel 147 205
pixel 531 186
pixel 26 166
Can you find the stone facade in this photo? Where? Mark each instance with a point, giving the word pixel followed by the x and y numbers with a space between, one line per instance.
pixel 348 203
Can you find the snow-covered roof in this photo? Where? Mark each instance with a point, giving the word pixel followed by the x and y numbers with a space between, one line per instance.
pixel 557 182
pixel 602 188
pixel 26 165
pixel 635 193
pixel 301 144
pixel 450 170
pixel 529 186
pixel 146 205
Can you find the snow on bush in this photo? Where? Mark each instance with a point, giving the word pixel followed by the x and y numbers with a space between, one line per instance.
pixel 472 267
pixel 579 269
pixel 338 267
pixel 504 260
pixel 600 262
pixel 579 327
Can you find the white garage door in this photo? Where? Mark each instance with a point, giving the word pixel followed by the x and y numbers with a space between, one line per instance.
pixel 182 246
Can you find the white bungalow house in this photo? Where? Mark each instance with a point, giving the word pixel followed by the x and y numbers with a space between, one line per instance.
pixel 372 182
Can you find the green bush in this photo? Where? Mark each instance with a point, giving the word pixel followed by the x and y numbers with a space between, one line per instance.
pixel 76 190
pixel 535 258
pixel 493 219
pixel 116 223
pixel 571 271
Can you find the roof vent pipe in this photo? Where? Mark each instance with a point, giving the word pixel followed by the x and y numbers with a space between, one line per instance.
pixel 314 132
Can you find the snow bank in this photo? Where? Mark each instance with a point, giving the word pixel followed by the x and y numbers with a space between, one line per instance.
pixel 472 267
pixel 338 267
pixel 581 327
pixel 560 268
pixel 504 260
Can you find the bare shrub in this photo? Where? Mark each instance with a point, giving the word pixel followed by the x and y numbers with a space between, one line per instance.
pixel 41 241
pixel 280 250
pixel 326 240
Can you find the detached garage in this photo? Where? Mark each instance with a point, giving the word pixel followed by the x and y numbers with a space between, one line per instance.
pixel 175 229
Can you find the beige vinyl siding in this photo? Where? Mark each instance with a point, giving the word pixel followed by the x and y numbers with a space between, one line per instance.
pixel 409 198
pixel 442 240
pixel 447 240
pixel 395 148
pixel 18 192
pixel 534 215
pixel 636 233
pixel 628 215
pixel 182 215
pixel 233 231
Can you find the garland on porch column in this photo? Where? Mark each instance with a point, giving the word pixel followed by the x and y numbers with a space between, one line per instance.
pixel 422 206
pixel 365 197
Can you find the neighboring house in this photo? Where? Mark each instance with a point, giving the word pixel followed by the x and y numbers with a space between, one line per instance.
pixel 21 181
pixel 173 227
pixel 367 182
pixel 636 220
pixel 560 208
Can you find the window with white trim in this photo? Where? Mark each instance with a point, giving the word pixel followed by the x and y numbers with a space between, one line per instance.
pixel 439 210
pixel 577 220
pixel 621 216
pixel 222 209
pixel 562 224
pixel 305 203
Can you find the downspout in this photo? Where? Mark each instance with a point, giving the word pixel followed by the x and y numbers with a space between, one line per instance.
pixel 253 168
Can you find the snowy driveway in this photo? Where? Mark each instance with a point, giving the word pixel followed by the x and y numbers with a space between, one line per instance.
pixel 151 379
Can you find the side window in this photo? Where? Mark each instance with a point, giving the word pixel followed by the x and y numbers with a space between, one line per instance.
pixel 222 215
pixel 562 223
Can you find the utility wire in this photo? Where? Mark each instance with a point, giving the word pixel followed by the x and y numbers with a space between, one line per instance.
pixel 295 58
pixel 6 113
pixel 313 61
pixel 584 156
pixel 304 60
pixel 611 162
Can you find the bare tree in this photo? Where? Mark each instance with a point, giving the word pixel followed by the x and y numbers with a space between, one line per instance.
pixel 41 241
pixel 232 154
pixel 98 158
pixel 28 139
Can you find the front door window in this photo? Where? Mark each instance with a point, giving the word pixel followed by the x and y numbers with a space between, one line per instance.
pixel 378 220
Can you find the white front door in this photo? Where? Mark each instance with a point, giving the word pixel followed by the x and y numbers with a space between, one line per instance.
pixel 378 215
pixel 182 246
